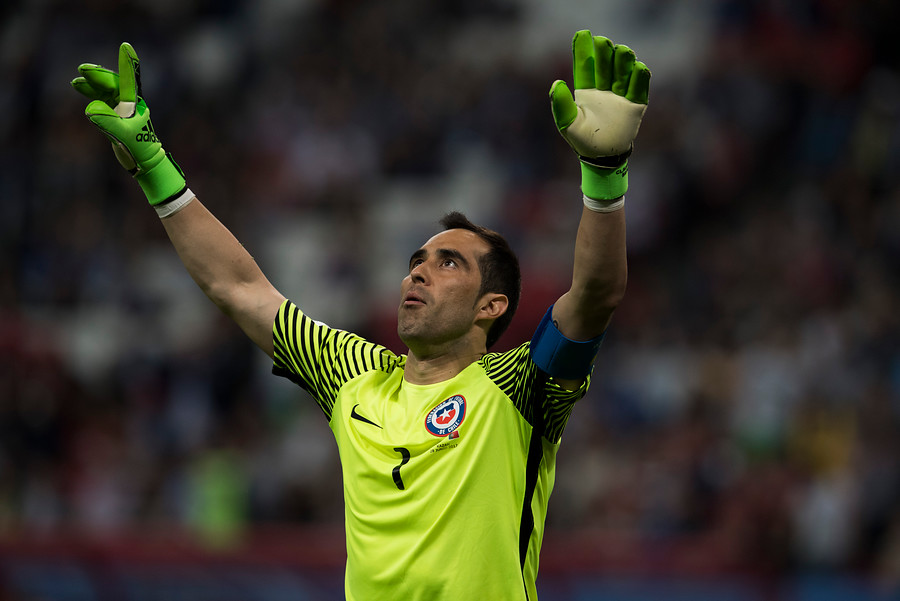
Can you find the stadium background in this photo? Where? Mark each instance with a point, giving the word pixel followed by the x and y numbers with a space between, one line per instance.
pixel 741 439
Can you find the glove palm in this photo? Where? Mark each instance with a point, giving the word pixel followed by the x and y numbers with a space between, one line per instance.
pixel 601 120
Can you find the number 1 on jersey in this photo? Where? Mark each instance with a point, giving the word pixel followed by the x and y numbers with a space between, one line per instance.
pixel 404 453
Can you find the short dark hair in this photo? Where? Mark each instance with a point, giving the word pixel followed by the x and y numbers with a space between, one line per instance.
pixel 499 270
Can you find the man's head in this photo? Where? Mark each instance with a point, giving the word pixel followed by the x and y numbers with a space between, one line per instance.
pixel 463 284
pixel 499 270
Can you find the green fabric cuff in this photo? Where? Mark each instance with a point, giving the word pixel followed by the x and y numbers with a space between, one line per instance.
pixel 603 183
pixel 163 182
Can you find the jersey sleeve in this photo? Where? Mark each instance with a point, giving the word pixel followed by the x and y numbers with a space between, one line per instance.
pixel 319 358
pixel 531 390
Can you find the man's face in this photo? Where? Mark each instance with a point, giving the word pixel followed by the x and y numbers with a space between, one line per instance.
pixel 438 300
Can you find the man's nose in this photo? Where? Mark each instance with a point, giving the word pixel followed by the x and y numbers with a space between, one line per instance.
pixel 419 273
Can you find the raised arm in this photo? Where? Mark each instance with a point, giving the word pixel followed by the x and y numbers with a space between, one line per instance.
pixel 600 123
pixel 225 271
pixel 598 278
pixel 214 258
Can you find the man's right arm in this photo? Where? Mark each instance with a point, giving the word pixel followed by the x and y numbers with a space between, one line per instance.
pixel 219 264
pixel 225 271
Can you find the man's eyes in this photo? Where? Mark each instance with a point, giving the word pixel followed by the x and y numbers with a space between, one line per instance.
pixel 448 262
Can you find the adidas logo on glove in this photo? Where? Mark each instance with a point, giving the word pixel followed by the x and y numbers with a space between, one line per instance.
pixel 146 134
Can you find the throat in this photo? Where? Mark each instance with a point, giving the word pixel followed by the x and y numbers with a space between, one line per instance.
pixel 438 368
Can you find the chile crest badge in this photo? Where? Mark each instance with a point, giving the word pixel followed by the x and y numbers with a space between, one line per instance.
pixel 447 416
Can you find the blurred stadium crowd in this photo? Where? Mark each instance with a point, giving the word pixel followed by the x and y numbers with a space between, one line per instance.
pixel 747 395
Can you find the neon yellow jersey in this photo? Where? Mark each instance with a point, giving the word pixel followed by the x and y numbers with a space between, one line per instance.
pixel 445 485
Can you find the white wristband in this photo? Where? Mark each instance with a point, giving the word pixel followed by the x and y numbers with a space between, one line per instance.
pixel 604 206
pixel 172 207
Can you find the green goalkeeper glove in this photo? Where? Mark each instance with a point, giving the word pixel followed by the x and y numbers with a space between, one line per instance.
pixel 118 110
pixel 602 120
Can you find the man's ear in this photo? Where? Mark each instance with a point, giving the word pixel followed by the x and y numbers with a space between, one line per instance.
pixel 492 305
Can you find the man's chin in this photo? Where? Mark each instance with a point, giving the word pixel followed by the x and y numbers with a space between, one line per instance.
pixel 406 333
pixel 414 337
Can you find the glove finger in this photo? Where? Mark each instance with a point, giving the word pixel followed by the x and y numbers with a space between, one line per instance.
pixel 99 77
pixel 562 105
pixel 639 86
pixel 623 65
pixel 105 118
pixel 100 109
pixel 129 74
pixel 583 60
pixel 116 129
pixel 604 51
pixel 82 86
pixel 103 82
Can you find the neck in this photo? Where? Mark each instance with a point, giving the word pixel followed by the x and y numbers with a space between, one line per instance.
pixel 430 368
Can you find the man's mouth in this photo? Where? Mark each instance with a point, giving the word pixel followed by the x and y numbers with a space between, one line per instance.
pixel 413 299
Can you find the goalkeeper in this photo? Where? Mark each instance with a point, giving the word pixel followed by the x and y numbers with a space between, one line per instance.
pixel 448 451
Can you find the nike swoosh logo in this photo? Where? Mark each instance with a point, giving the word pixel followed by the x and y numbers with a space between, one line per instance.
pixel 356 415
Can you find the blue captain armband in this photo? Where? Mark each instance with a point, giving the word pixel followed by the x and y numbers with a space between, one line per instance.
pixel 559 356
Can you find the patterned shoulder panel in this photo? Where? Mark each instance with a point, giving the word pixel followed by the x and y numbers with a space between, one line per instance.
pixel 321 359
pixel 526 386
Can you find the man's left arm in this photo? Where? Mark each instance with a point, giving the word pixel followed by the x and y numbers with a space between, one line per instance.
pixel 600 122
pixel 598 278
